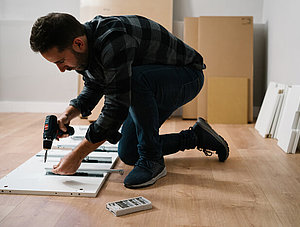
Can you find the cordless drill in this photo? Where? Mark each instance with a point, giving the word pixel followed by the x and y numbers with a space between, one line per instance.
pixel 52 131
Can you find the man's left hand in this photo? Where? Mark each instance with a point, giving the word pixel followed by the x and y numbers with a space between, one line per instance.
pixel 68 164
pixel 71 162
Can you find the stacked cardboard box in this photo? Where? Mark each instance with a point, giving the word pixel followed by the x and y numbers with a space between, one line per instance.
pixel 226 43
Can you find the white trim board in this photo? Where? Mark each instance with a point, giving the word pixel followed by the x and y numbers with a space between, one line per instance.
pixel 281 107
pixel 268 116
pixel 278 111
pixel 31 178
pixel 289 126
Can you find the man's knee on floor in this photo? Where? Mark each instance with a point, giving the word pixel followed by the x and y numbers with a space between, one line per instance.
pixel 127 157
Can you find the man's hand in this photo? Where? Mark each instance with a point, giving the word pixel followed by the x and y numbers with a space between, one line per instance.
pixel 68 164
pixel 71 162
pixel 65 119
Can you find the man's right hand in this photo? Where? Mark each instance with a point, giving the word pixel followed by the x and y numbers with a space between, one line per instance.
pixel 65 119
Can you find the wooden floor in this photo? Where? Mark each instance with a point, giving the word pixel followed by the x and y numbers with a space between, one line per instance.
pixel 259 185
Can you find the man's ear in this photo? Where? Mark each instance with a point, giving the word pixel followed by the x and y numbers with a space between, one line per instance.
pixel 79 45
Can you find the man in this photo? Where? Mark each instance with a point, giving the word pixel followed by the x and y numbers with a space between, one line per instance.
pixel 144 72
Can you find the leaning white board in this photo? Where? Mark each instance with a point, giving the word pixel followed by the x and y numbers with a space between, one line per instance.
pixel 31 178
pixel 269 112
pixel 289 126
pixel 282 105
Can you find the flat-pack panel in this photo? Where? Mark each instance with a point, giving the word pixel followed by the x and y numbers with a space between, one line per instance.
pixel 35 177
pixel 32 178
pixel 289 126
pixel 268 116
pixel 227 100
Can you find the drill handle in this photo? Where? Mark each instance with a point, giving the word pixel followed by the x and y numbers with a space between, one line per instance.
pixel 70 131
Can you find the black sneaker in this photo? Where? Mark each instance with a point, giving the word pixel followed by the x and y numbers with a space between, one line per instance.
pixel 209 140
pixel 145 173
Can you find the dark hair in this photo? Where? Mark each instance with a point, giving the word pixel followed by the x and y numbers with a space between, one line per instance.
pixel 55 30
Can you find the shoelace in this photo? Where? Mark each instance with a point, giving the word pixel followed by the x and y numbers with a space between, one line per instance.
pixel 204 150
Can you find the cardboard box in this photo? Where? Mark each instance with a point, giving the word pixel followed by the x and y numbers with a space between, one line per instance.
pixel 226 44
pixel 227 100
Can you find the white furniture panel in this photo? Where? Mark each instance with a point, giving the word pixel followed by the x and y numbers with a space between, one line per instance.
pixel 32 178
pixel 289 126
pixel 270 110
pixel 35 176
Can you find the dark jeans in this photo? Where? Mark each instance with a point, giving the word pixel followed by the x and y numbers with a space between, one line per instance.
pixel 156 92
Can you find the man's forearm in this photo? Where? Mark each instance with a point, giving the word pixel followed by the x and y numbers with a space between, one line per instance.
pixel 71 112
pixel 86 147
pixel 71 162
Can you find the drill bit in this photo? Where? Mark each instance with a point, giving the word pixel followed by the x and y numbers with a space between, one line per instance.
pixel 45 157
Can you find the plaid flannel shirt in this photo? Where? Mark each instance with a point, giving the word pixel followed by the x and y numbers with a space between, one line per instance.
pixel 115 45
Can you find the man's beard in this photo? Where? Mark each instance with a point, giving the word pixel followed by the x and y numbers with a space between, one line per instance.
pixel 81 60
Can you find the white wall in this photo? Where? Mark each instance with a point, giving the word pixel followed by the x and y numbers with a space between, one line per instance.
pixel 283 40
pixel 28 83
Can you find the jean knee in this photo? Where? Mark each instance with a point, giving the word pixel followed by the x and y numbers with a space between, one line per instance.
pixel 127 156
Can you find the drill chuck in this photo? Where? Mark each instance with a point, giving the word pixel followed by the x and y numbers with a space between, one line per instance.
pixel 47 144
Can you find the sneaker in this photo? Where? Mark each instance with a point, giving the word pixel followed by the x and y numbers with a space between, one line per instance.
pixel 145 173
pixel 209 140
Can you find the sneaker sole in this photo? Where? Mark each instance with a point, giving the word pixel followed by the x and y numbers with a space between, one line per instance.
pixel 150 182
pixel 219 138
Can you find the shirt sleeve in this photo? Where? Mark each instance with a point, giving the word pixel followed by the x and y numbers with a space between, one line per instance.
pixel 88 97
pixel 117 58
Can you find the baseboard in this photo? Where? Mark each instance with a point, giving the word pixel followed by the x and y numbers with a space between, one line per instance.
pixel 33 107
